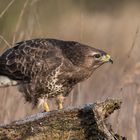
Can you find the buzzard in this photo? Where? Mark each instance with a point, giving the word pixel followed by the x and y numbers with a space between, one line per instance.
pixel 48 68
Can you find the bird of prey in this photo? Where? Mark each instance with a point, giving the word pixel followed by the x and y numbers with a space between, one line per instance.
pixel 48 68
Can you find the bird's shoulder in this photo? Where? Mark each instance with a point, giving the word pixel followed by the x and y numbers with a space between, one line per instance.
pixel 40 47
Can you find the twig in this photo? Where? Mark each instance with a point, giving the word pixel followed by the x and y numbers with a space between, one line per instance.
pixel 5 10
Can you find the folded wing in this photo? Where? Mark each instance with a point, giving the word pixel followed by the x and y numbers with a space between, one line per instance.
pixel 28 58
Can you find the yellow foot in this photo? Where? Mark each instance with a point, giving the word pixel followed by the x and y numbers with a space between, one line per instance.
pixel 46 106
pixel 60 105
pixel 60 101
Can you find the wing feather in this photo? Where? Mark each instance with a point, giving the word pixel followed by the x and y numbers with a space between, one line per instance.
pixel 28 58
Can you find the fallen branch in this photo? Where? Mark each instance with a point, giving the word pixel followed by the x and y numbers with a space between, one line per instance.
pixel 76 123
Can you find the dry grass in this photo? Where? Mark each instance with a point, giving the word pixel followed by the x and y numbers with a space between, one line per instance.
pixel 5 41
pixel 112 27
pixel 19 20
pixel 6 8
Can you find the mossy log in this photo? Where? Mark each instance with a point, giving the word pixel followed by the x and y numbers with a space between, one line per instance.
pixel 86 122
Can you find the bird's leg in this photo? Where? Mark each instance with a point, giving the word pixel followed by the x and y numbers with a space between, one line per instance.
pixel 60 101
pixel 46 107
pixel 43 102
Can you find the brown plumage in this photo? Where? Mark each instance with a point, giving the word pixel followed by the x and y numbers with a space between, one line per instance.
pixel 49 68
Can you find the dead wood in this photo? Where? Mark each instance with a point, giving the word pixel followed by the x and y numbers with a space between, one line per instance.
pixel 86 122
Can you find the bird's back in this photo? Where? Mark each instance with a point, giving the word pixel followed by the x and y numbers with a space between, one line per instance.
pixel 25 59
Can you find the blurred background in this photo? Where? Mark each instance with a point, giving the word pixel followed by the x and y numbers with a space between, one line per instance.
pixel 109 25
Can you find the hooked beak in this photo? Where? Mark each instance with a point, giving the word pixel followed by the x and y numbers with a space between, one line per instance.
pixel 111 61
pixel 106 58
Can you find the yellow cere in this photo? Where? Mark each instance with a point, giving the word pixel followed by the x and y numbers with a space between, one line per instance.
pixel 105 58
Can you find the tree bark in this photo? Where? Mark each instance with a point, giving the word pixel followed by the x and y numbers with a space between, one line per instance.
pixel 86 122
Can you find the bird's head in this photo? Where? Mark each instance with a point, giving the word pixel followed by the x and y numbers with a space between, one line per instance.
pixel 87 57
pixel 96 58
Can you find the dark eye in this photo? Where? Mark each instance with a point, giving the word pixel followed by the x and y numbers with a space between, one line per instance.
pixel 97 55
